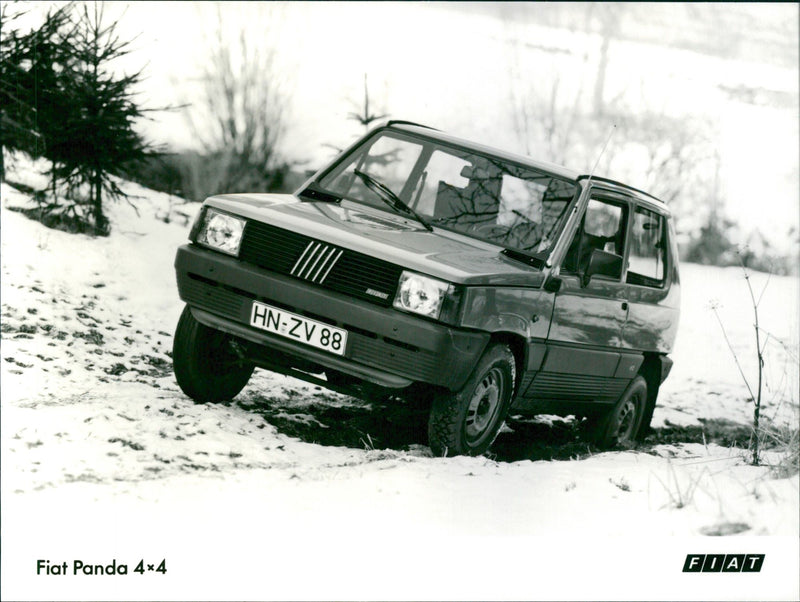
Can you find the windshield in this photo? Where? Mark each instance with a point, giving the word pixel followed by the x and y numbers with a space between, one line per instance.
pixel 483 197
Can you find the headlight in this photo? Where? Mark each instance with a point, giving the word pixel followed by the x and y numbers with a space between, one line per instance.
pixel 220 231
pixel 421 294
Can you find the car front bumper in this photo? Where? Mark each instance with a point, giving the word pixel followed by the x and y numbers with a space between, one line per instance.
pixel 384 346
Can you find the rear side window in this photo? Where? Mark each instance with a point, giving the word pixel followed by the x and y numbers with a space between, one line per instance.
pixel 646 261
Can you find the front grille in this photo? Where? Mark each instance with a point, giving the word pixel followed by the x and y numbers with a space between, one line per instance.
pixel 324 264
pixel 316 262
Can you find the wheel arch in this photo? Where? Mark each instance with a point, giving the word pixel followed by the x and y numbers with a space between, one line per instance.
pixel 518 346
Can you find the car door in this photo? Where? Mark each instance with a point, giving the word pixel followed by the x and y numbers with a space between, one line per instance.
pixel 652 288
pixel 582 360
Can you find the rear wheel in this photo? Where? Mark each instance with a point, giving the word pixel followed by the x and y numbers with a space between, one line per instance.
pixel 620 427
pixel 467 421
pixel 206 367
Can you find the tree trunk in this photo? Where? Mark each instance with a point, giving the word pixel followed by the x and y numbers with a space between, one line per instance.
pixel 600 80
pixel 610 16
pixel 97 204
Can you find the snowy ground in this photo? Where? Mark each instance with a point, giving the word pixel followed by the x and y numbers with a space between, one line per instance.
pixel 293 492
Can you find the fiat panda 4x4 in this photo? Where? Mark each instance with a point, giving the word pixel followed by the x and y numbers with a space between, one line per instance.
pixel 422 265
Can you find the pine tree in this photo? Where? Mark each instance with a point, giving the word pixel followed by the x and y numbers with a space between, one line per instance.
pixel 61 101
pixel 33 72
pixel 98 138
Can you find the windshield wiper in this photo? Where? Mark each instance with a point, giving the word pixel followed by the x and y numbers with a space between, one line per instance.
pixel 390 198
pixel 313 193
pixel 535 261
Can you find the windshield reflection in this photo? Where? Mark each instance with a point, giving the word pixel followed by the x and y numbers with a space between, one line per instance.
pixel 483 197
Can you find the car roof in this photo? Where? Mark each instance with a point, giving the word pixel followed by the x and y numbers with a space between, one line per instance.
pixel 553 168
pixel 558 170
pixel 639 195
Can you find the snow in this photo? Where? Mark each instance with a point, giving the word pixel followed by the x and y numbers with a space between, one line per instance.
pixel 104 458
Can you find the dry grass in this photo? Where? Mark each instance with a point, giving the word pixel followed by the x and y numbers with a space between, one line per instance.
pixel 787 441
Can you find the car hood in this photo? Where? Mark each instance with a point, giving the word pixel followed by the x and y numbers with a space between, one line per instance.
pixel 388 236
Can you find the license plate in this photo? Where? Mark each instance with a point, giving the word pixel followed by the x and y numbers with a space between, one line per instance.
pixel 299 328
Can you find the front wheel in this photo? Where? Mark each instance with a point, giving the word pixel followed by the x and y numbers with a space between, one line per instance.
pixel 466 422
pixel 206 367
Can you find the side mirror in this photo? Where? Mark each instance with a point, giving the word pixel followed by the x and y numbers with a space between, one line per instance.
pixel 602 263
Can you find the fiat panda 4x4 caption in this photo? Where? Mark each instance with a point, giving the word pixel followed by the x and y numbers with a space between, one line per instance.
pixel 420 265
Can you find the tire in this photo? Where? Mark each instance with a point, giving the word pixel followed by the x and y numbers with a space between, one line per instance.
pixel 205 365
pixel 621 426
pixel 647 418
pixel 467 421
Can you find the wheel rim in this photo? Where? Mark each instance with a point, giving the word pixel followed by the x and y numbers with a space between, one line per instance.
pixel 625 422
pixel 484 405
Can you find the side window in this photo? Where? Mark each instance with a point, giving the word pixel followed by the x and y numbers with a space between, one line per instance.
pixel 647 252
pixel 602 228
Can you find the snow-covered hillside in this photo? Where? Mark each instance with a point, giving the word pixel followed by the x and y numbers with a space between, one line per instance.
pixel 293 492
